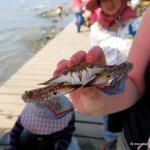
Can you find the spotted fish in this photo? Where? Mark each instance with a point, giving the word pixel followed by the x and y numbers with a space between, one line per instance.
pixel 83 75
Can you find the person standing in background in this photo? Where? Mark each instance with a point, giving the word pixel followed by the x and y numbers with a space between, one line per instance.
pixel 77 9
pixel 114 29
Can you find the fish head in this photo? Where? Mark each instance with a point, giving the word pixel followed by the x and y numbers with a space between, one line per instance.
pixel 28 96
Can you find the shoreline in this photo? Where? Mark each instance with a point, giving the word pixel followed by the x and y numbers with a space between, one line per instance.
pixel 12 60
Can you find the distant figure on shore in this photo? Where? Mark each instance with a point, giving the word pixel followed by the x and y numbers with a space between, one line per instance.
pixel 35 129
pixel 77 9
pixel 59 11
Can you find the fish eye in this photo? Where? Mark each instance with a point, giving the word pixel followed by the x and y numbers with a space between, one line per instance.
pixel 54 93
pixel 30 94
pixel 108 75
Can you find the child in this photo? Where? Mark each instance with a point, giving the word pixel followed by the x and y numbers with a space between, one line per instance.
pixel 136 96
pixel 36 129
pixel 114 31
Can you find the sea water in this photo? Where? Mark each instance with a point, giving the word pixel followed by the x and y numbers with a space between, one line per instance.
pixel 21 29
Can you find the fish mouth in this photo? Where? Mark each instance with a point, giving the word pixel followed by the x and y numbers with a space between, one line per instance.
pixel 43 100
pixel 25 98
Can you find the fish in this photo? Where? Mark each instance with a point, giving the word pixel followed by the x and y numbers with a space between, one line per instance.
pixel 44 94
pixel 82 75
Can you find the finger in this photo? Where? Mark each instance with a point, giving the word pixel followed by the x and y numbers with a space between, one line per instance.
pixel 96 56
pixel 61 62
pixel 75 98
pixel 84 98
pixel 77 58
pixel 60 67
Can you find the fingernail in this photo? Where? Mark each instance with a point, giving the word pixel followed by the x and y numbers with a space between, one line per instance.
pixel 89 59
pixel 72 62
pixel 55 73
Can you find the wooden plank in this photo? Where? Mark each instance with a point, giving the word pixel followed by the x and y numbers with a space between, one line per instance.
pixel 21 82
pixel 7 121
pixel 31 77
pixel 89 130
pixel 37 71
pixel 83 118
pixel 89 143
pixel 11 105
pixel 11 99
pixel 11 109
pixel 14 90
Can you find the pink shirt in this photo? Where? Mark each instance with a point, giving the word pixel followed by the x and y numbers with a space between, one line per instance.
pixel 76 5
pixel 95 15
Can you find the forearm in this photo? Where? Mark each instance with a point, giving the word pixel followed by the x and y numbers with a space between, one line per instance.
pixel 92 101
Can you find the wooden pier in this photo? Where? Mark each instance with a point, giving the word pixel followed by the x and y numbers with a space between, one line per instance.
pixel 39 69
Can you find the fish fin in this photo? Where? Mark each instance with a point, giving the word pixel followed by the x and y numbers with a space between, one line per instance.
pixel 92 81
pixel 43 83
pixel 88 84
pixel 47 82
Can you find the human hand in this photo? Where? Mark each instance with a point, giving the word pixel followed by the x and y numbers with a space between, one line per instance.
pixel 85 100
pixel 94 56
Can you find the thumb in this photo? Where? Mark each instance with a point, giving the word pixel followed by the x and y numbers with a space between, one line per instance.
pixel 96 56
